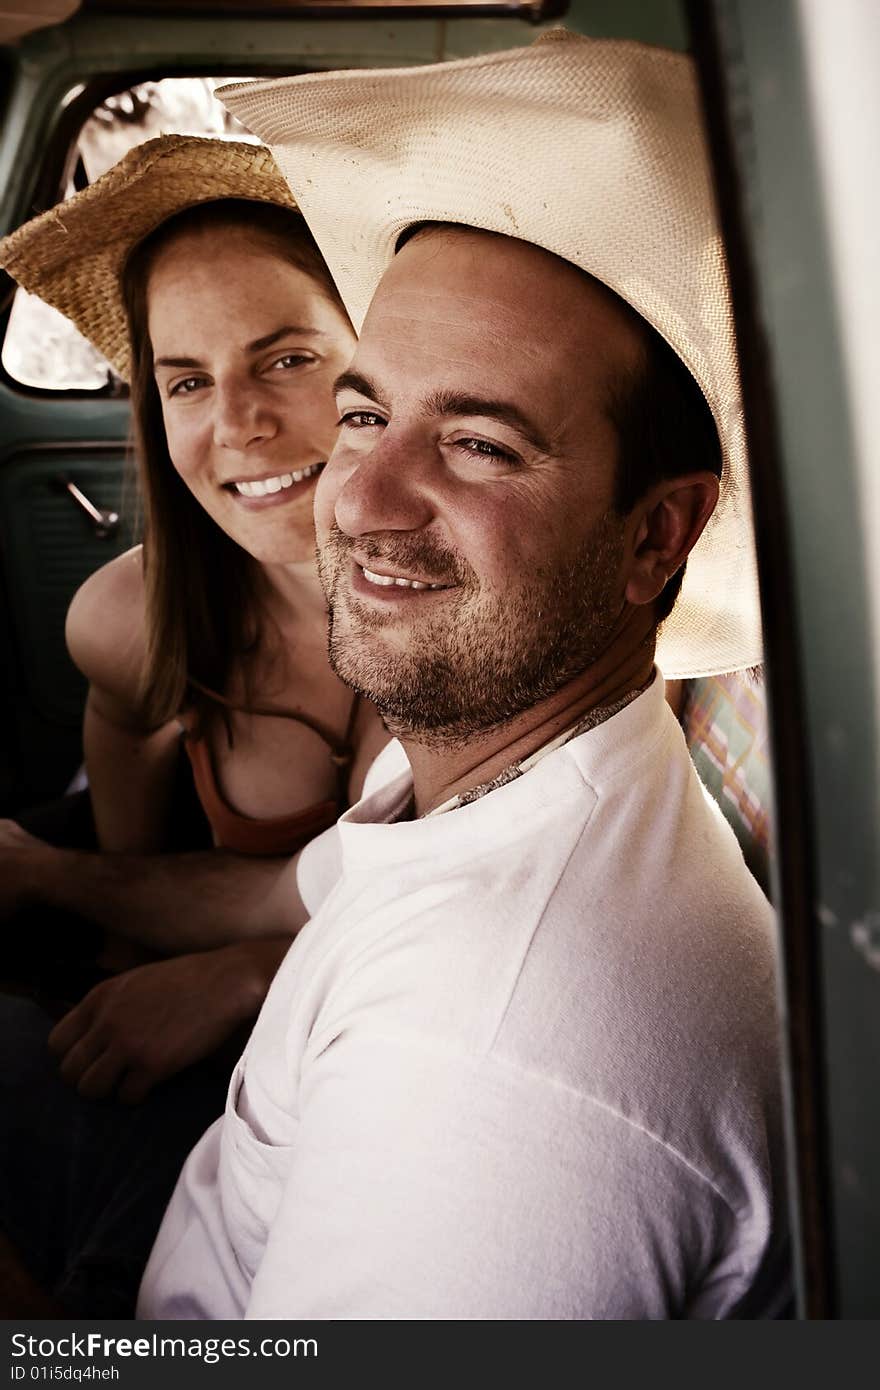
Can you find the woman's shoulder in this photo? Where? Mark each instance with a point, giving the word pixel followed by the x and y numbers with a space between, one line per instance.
pixel 105 628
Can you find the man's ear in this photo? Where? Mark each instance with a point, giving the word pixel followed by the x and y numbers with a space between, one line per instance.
pixel 668 522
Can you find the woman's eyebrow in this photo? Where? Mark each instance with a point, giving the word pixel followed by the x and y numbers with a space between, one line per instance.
pixel 175 362
pixel 289 330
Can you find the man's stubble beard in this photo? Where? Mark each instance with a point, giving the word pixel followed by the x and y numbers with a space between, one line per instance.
pixel 475 663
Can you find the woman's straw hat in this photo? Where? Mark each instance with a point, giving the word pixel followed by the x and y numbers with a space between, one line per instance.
pixel 591 149
pixel 72 256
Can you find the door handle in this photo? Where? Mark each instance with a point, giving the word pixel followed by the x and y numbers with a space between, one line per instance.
pixel 105 523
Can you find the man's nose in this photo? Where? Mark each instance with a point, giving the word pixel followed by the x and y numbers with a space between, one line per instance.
pixel 241 417
pixel 388 489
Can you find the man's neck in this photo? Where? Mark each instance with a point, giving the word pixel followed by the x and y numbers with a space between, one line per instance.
pixel 441 773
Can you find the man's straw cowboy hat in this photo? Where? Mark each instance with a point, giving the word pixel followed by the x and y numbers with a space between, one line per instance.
pixel 72 256
pixel 591 149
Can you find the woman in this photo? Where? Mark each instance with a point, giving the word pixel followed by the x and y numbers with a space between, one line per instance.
pixel 189 268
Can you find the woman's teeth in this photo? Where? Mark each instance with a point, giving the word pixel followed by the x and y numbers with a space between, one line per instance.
pixel 283 480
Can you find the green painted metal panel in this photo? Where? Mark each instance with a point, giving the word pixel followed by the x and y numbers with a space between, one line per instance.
pixel 773 121
pixel 49 548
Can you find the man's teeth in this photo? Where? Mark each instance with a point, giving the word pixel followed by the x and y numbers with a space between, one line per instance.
pixel 389 579
pixel 284 480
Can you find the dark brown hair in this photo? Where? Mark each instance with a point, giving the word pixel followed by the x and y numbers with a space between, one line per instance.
pixel 202 599
pixel 665 429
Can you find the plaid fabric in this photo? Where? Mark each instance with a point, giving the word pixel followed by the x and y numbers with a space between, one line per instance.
pixel 725 724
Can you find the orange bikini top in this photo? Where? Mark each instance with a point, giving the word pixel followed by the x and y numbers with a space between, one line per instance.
pixel 277 834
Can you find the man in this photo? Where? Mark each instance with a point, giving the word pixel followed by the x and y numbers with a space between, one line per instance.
pixel 521 1062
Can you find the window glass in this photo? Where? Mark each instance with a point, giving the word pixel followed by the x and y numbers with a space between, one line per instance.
pixel 42 348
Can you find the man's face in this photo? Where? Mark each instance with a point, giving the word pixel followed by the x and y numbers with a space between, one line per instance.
pixel 468 548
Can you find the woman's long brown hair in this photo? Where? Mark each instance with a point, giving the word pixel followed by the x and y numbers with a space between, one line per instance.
pixel 202 605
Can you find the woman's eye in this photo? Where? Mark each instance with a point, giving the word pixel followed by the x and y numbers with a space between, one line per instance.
pixel 361 419
pixel 291 360
pixel 186 386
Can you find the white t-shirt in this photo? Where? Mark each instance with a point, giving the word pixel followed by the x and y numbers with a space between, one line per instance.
pixel 520 1064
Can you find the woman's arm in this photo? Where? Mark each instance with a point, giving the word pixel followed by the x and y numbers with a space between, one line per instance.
pixel 131 775
pixel 130 765
pixel 173 903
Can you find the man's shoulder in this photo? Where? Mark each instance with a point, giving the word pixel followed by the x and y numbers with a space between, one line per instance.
pixel 657 949
pixel 657 886
pixel 654 834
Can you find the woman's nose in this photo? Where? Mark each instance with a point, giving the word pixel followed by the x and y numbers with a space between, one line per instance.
pixel 241 418
pixel 386 489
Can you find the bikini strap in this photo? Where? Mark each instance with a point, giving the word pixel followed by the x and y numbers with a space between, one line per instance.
pixel 341 751
pixel 343 757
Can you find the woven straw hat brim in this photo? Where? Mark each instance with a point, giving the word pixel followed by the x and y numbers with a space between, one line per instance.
pixel 72 256
pixel 591 149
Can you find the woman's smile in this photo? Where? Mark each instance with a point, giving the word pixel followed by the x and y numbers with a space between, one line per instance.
pixel 273 489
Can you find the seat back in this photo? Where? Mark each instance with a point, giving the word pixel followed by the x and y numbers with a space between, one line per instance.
pixel 725 723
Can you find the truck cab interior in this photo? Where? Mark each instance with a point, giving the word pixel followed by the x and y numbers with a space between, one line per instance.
pixel 791 753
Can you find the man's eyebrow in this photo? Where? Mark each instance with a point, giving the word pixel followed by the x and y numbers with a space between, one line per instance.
pixel 361 385
pixel 458 403
pixel 289 330
pixel 455 403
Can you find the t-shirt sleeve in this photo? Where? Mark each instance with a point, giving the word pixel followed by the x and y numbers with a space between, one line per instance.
pixel 429 1186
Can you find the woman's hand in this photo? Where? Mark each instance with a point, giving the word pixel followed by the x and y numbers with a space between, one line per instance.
pixel 141 1027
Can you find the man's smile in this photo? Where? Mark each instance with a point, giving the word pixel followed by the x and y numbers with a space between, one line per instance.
pixel 385 579
pixel 391 585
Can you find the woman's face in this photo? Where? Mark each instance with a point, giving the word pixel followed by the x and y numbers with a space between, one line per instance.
pixel 246 349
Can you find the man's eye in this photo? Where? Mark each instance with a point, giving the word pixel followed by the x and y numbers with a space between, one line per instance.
pixel 186 386
pixel 361 419
pixel 484 448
